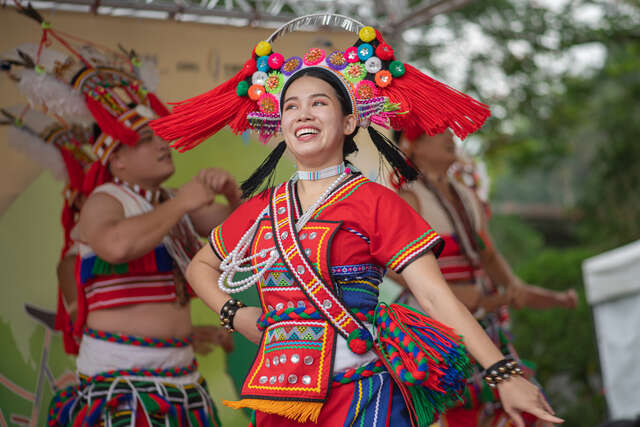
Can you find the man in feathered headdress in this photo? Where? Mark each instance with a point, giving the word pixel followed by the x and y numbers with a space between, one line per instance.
pixel 132 329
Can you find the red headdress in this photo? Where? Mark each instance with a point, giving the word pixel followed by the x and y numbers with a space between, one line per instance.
pixel 383 90
pixel 93 82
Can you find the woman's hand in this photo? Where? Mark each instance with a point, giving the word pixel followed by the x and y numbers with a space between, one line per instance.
pixel 519 395
pixel 205 338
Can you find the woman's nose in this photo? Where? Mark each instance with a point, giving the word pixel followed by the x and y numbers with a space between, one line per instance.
pixel 304 114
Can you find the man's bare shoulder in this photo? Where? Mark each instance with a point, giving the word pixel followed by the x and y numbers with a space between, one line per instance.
pixel 100 207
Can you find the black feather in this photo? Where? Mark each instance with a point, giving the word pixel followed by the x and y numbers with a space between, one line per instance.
pixel 28 62
pixel 31 12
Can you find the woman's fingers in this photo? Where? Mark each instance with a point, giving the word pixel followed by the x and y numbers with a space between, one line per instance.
pixel 546 416
pixel 515 417
pixel 545 404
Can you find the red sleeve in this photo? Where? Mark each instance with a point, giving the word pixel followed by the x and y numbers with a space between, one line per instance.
pixel 224 238
pixel 398 234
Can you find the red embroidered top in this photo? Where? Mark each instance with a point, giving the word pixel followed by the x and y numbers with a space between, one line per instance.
pixel 361 228
pixel 378 227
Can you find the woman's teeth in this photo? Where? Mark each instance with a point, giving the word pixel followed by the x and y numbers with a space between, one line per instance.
pixel 306 131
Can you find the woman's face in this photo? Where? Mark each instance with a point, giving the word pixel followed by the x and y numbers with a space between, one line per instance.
pixel 313 123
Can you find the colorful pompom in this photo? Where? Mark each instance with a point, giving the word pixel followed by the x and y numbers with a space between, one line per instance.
pixel 373 65
pixel 263 64
pixel 360 341
pixel 383 78
pixel 268 103
pixel 276 60
pixel 263 48
pixel 365 51
pixel 355 72
pixel 274 82
pixel 258 78
pixel 366 90
pixel 292 65
pixel 351 55
pixel 242 89
pixel 314 56
pixel 336 60
pixel 396 68
pixel 367 34
pixel 255 92
pixel 384 52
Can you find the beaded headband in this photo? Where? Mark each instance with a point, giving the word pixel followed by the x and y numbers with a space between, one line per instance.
pixel 383 90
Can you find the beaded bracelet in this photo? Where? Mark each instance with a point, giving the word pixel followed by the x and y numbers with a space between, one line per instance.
pixel 501 371
pixel 228 312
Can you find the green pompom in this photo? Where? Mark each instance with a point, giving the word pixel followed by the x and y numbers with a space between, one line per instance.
pixel 396 68
pixel 242 89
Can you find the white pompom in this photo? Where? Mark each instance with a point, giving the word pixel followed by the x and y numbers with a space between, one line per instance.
pixel 34 147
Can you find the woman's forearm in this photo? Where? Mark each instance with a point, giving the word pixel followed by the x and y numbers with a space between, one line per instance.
pixel 433 294
pixel 203 274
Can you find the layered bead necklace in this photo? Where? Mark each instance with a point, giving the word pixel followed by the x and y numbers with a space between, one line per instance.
pixel 237 260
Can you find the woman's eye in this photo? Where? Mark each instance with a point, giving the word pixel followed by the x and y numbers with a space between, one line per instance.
pixel 316 103
pixel 289 107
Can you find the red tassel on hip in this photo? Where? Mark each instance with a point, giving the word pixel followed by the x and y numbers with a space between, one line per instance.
pixel 432 106
pixel 195 119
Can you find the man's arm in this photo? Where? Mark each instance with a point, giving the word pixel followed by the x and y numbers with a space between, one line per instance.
pixel 117 239
pixel 519 293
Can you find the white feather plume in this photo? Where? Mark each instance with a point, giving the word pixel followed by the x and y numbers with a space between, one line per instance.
pixel 34 147
pixel 148 73
pixel 58 97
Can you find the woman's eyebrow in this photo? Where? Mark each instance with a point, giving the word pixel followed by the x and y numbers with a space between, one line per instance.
pixel 311 96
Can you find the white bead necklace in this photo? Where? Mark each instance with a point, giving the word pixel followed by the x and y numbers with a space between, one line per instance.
pixel 236 261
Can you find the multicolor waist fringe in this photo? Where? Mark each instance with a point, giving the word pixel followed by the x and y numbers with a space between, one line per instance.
pixel 140 397
pixel 422 366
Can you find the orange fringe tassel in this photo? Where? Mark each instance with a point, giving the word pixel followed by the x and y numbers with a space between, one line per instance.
pixel 297 411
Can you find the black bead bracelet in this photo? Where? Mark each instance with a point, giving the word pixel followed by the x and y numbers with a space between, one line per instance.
pixel 228 312
pixel 501 371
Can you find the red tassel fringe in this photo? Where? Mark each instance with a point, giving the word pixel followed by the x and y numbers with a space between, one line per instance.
pixel 110 124
pixel 194 120
pixel 433 106
pixel 98 174
pixel 156 105
pixel 74 169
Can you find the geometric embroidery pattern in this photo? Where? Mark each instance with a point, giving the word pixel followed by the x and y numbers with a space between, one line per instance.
pixel 295 333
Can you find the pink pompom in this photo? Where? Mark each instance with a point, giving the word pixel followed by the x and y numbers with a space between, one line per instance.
pixel 275 61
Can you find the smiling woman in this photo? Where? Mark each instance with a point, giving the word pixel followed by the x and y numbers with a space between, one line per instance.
pixel 318 245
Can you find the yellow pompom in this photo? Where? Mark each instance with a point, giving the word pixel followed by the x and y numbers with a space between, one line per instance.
pixel 263 48
pixel 367 34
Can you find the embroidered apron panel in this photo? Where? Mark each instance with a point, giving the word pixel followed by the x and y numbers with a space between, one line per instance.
pixel 294 361
pixel 295 358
